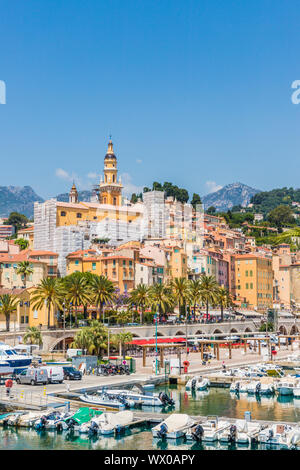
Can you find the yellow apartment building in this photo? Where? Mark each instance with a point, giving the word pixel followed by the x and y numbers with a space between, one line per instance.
pixel 254 281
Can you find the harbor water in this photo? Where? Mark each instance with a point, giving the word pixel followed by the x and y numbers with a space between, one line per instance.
pixel 215 401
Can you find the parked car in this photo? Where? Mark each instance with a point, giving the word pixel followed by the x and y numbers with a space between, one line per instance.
pixel 33 376
pixel 70 373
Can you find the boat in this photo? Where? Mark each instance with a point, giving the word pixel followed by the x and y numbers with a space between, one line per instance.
pixel 75 420
pixel 247 431
pixel 107 400
pixel 286 386
pixel 17 362
pixel 5 368
pixel 6 416
pixel 296 390
pixel 253 387
pixel 160 399
pixel 50 420
pixel 213 427
pixel 239 387
pixel 173 427
pixel 197 383
pixel 266 386
pixel 28 420
pixel 279 435
pixel 109 423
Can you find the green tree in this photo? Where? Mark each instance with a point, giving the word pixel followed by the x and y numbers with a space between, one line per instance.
pixel 209 291
pixel 8 305
pixel 83 340
pixel 160 296
pixel 196 200
pixel 76 292
pixel 102 292
pixel 33 336
pixel 140 297
pixel 17 220
pixel 123 338
pixel 50 293
pixel 211 210
pixel 195 292
pixel 99 338
pixel 23 244
pixel 223 299
pixel 281 216
pixel 181 292
pixel 25 269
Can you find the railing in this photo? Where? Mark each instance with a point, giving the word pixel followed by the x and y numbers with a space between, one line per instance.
pixel 24 397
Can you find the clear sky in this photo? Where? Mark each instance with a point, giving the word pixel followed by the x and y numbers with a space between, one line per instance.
pixel 195 92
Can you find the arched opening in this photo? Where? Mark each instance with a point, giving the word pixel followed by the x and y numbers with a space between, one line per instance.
pixel 248 330
pixel 216 332
pixel 282 330
pixel 233 330
pixel 199 332
pixel 179 333
pixel 60 344
pixel 294 330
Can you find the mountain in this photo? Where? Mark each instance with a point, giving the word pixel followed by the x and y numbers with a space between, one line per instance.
pixel 17 199
pixel 234 194
pixel 82 196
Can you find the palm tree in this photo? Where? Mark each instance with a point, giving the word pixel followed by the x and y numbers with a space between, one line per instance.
pixel 223 299
pixel 123 317
pixel 209 290
pixel 50 293
pixel 195 293
pixel 8 305
pixel 181 292
pixel 76 292
pixel 33 336
pixel 160 297
pixel 102 292
pixel 140 297
pixel 99 337
pixel 24 268
pixel 123 338
pixel 83 339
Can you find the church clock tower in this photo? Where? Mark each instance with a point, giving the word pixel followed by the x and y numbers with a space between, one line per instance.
pixel 110 190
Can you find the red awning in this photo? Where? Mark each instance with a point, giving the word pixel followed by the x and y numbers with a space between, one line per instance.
pixel 141 342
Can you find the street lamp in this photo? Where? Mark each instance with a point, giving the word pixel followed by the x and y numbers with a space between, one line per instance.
pixel 156 348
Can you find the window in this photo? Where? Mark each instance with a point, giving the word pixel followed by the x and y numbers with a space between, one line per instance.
pixel 76 262
pixel 78 215
pixel 93 266
pixel 247 285
pixel 63 214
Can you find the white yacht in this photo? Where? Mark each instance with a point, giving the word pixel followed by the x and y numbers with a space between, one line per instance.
pixel 279 434
pixel 239 386
pixel 154 399
pixel 173 427
pixel 197 383
pixel 253 387
pixel 13 359
pixel 247 431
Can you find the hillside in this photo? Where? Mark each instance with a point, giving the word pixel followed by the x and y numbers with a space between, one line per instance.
pixel 17 199
pixel 82 196
pixel 235 194
pixel 265 201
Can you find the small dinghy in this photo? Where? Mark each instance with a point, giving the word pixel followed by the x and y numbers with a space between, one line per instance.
pixel 254 387
pixel 197 383
pixel 4 419
pixel 29 419
pixel 77 419
pixel 247 431
pixel 173 427
pixel 266 386
pixel 50 420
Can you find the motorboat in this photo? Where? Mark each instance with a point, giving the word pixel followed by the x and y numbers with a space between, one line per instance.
pixel 278 434
pixel 239 386
pixel 197 383
pixel 173 427
pixel 296 390
pixel 286 386
pixel 266 386
pixel 110 423
pixel 5 368
pixel 247 431
pixel 17 362
pixel 28 420
pixel 253 387
pixel 106 400
pixel 161 399
pixel 50 420
pixel 213 427
pixel 4 418
pixel 75 420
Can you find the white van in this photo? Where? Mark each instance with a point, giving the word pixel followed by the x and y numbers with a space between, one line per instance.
pixel 55 374
pixel 73 352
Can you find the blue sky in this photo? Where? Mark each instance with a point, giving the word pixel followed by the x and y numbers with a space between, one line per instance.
pixel 195 92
